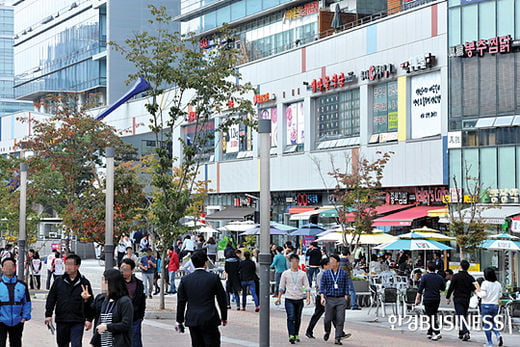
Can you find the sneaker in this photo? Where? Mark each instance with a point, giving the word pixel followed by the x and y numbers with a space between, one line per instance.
pixel 238 309
pixel 346 335
pixel 326 336
pixel 337 342
pixel 243 308
pixel 500 341
pixel 436 337
pixel 292 340
pixel 429 336
pixel 466 337
pixel 257 309
pixel 297 338
pixel 309 335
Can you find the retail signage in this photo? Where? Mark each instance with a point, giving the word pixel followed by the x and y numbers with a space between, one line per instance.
pixel 331 82
pixel 429 195
pixel 455 139
pixel 298 12
pixel 233 143
pixel 397 198
pixel 295 123
pixel 419 62
pixel 303 199
pixel 261 98
pixel 377 72
pixel 515 226
pixel 426 105
pixel 499 44
pixel 504 196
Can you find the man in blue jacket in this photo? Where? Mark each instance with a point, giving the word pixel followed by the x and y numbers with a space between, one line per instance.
pixel 15 305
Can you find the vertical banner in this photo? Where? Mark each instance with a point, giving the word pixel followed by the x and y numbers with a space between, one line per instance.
pixel 295 123
pixel 233 140
pixel 425 106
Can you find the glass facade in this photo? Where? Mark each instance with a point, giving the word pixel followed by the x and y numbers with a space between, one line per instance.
pixel 384 108
pixel 237 142
pixel 337 115
pixel 294 127
pixel 205 131
pixel 59 57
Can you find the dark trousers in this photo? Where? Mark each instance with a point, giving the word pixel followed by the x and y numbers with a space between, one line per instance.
pixel 205 336
pixel 461 310
pixel 120 256
pixel 294 309
pixel 335 313
pixel 319 309
pixel 311 273
pixel 137 340
pixel 49 276
pixel 15 335
pixel 431 308
pixel 69 333
pixel 35 281
pixel 230 291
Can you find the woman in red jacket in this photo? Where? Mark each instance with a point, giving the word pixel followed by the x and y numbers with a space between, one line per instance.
pixel 173 266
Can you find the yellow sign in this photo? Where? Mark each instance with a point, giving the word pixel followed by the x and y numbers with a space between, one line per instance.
pixel 472 267
pixel 301 11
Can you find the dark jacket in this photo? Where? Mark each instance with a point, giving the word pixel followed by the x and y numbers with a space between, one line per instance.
pixel 314 256
pixel 121 326
pixel 247 270
pixel 461 286
pixel 65 297
pixel 139 300
pixel 232 268
pixel 432 285
pixel 198 290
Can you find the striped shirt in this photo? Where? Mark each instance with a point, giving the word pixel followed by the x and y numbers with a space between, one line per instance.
pixel 106 318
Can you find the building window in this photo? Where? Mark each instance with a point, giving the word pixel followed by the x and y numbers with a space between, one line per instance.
pixel 295 127
pixel 384 109
pixel 272 114
pixel 237 142
pixel 202 136
pixel 337 115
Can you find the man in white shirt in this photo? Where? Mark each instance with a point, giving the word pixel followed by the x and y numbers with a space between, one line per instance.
pixel 48 261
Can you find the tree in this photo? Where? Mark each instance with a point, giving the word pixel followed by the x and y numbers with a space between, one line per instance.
pixel 465 214
pixel 356 192
pixel 66 171
pixel 204 86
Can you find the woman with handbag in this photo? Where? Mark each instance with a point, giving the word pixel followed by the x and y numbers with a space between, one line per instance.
pixel 114 313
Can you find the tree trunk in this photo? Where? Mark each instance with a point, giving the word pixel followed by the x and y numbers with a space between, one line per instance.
pixel 163 282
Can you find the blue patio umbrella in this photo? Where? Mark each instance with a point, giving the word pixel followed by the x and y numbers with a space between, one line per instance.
pixel 308 230
pixel 283 227
pixel 413 245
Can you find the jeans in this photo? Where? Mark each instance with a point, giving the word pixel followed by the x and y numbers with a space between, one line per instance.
pixel 294 309
pixel 228 293
pixel 311 273
pixel 69 333
pixel 461 310
pixel 245 286
pixel 319 309
pixel 488 314
pixel 335 313
pixel 137 341
pixel 277 278
pixel 148 277
pixel 15 335
pixel 431 308
pixel 49 276
pixel 352 291
pixel 172 282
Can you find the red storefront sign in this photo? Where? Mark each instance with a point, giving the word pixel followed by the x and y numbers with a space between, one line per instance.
pixel 431 194
pixel 378 72
pixel 499 44
pixel 331 82
pixel 261 98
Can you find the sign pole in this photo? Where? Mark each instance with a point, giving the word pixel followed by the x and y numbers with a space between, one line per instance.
pixel 109 209
pixel 22 223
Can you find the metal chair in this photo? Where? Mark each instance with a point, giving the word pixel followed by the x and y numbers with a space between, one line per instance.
pixel 409 300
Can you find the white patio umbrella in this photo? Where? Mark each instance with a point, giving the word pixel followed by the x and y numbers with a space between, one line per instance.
pixel 238 226
pixel 506 245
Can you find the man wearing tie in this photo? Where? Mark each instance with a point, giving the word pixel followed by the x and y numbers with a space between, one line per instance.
pixel 199 290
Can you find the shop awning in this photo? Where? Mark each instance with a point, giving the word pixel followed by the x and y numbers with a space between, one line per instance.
pixel 301 209
pixel 438 213
pixel 382 209
pixel 489 215
pixel 232 213
pixel 403 218
pixel 308 214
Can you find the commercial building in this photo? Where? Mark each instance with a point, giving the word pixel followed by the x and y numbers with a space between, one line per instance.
pixel 8 104
pixel 61 46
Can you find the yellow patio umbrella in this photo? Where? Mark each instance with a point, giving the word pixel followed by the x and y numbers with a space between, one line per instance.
pixel 438 213
pixel 427 233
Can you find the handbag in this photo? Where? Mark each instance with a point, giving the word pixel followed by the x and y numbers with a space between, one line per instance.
pixel 473 302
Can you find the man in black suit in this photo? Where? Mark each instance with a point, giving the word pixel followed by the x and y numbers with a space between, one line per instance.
pixel 199 290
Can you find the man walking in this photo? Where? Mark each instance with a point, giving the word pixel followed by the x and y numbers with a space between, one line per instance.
pixel 431 284
pixel 173 267
pixel 314 255
pixel 461 286
pixel 295 285
pixel 49 262
pixel 345 263
pixel 70 297
pixel 15 305
pixel 198 290
pixel 147 266
pixel 334 291
pixel 136 293
pixel 319 309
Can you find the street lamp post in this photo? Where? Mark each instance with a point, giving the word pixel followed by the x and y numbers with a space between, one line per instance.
pixel 22 235
pixel 109 210
pixel 264 133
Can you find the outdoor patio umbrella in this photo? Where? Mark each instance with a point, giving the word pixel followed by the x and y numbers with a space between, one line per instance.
pixel 413 245
pixel 308 230
pixel 283 227
pixel 256 231
pixel 237 226
pixel 371 239
pixel 506 245
pixel 504 236
pixel 436 236
pixel 207 230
